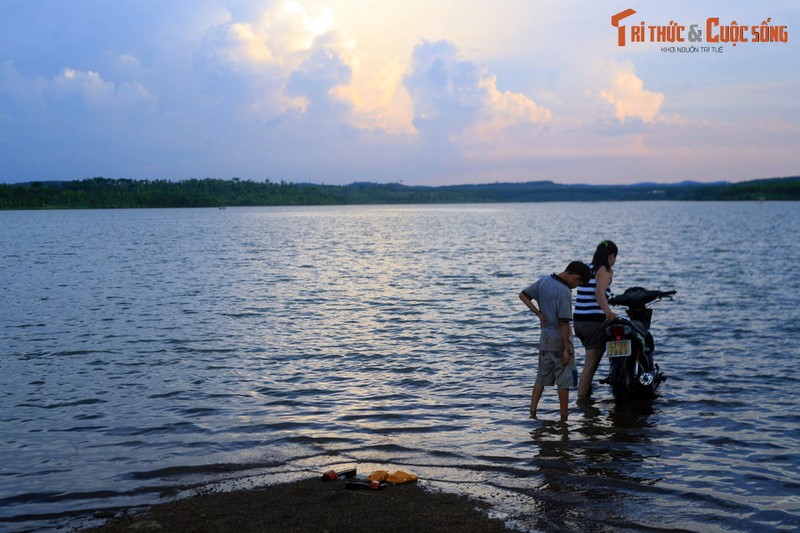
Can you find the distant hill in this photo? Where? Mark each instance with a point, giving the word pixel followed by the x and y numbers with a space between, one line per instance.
pixel 97 193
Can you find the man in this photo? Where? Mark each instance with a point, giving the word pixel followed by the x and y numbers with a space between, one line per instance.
pixel 553 294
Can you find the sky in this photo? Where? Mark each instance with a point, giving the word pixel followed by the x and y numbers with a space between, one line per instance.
pixel 420 92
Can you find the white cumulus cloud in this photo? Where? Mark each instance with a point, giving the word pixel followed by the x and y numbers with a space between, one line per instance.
pixel 458 100
pixel 630 99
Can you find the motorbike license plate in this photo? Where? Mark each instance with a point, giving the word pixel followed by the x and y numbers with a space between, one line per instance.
pixel 618 348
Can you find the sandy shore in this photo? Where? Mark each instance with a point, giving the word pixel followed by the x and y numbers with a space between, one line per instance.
pixel 313 505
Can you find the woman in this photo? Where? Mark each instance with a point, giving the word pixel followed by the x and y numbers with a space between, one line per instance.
pixel 591 312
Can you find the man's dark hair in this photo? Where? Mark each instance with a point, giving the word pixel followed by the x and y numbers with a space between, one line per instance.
pixel 581 269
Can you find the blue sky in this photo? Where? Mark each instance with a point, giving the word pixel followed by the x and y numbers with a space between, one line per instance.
pixel 426 92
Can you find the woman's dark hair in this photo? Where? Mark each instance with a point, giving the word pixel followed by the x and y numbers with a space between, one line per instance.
pixel 604 249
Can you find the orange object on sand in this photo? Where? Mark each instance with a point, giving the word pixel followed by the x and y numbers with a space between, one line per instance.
pixel 378 475
pixel 401 477
pixel 398 477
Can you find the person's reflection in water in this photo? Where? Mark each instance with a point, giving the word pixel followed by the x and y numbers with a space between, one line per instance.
pixel 588 470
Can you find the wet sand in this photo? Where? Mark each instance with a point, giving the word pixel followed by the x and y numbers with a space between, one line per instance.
pixel 313 505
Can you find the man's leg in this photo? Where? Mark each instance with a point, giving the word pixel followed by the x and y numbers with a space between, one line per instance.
pixel 536 395
pixel 563 403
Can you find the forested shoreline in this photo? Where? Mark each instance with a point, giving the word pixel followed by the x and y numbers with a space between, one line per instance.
pixel 104 193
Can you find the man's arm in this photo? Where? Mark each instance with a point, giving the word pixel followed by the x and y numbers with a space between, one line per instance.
pixel 529 302
pixel 565 339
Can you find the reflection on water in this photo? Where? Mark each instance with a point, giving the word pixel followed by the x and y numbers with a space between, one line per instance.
pixel 585 465
pixel 153 351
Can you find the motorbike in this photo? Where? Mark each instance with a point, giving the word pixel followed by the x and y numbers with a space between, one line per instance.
pixel 633 375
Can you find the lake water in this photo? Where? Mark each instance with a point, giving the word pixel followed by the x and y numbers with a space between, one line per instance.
pixel 146 353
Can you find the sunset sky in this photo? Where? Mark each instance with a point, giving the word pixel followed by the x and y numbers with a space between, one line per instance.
pixel 423 92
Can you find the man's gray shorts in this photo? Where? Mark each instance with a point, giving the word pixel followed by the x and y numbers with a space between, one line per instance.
pixel 551 372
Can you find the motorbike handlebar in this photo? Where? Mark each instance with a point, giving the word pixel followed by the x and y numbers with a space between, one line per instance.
pixel 639 297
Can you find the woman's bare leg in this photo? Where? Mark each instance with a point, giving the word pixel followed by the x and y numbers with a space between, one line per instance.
pixel 590 365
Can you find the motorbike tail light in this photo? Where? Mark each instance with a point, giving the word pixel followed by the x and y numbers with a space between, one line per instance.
pixel 617 331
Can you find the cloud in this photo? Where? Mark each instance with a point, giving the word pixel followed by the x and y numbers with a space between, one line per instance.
pixel 457 101
pixel 90 89
pixel 445 90
pixel 73 89
pixel 630 100
pixel 272 69
pixel 378 101
pixel 20 95
pixel 239 44
pixel 277 64
pixel 451 93
pixel 317 77
pixel 508 108
pixel 271 37
pixel 285 65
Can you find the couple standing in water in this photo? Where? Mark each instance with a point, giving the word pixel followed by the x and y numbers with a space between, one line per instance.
pixel 556 352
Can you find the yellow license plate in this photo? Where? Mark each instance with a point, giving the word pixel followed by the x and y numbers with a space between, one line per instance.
pixel 618 348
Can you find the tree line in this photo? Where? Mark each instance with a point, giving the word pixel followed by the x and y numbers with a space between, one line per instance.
pixel 104 193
